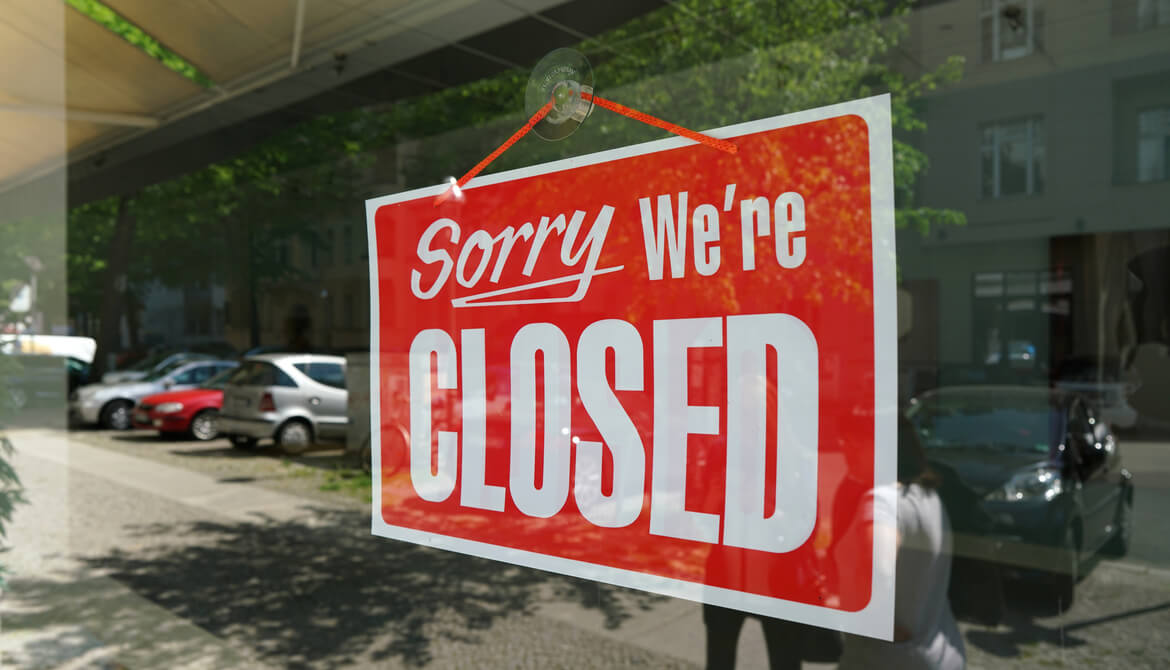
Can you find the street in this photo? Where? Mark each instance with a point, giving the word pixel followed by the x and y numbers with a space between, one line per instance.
pixel 140 553
pixel 1150 463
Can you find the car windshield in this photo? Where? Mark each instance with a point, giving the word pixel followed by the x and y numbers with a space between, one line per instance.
pixel 218 381
pixel 148 362
pixel 964 422
pixel 164 371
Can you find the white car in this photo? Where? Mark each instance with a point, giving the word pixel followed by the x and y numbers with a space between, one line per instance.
pixel 109 405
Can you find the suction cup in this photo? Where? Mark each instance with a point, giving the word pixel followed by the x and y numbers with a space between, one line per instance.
pixel 563 75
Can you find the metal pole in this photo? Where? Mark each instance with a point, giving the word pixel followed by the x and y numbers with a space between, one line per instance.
pixel 298 28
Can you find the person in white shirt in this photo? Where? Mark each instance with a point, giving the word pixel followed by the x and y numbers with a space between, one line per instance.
pixel 926 636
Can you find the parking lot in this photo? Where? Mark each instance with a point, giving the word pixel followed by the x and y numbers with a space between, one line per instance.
pixel 325 472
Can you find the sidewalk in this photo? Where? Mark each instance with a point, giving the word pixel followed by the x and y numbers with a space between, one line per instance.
pixel 61 612
pixel 57 613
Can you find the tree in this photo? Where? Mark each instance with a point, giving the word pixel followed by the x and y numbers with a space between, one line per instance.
pixel 226 220
pixel 701 63
pixel 21 239
pixel 704 64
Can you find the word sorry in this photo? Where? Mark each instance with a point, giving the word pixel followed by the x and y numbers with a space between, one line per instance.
pixel 666 226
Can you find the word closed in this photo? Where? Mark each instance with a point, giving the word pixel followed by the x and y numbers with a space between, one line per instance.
pixel 434 357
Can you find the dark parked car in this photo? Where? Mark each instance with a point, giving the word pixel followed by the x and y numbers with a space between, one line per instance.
pixel 1105 383
pixel 43 380
pixel 1047 471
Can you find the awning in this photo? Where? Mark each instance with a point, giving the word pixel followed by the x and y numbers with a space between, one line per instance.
pixel 112 94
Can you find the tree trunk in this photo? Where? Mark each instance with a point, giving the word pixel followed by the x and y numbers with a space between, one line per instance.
pixel 133 325
pixel 114 287
pixel 253 307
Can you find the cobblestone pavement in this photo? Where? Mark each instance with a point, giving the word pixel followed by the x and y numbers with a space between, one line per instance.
pixel 163 573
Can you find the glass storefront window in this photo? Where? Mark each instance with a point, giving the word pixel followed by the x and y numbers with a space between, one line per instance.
pixel 184 189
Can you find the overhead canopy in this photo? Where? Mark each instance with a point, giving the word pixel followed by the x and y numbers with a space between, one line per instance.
pixel 120 103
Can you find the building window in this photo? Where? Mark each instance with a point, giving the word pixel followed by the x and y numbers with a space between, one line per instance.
pixel 1010 28
pixel 349 244
pixel 1012 158
pixel 1153 150
pixel 1152 14
pixel 1131 16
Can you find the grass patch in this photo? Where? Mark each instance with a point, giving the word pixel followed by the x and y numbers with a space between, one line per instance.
pixel 296 469
pixel 348 480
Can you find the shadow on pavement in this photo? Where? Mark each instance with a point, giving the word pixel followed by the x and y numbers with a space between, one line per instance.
pixel 324 456
pixel 88 622
pixel 1025 604
pixel 326 592
pixel 1021 627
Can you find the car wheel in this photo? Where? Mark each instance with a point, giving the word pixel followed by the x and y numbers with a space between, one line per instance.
pixel 116 415
pixel 294 437
pixel 1118 545
pixel 1065 579
pixel 243 441
pixel 205 425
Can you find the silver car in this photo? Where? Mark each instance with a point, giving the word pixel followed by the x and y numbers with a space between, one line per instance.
pixel 296 399
pixel 109 405
pixel 151 365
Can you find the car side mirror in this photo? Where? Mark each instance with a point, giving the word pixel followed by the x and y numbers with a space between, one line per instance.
pixel 168 383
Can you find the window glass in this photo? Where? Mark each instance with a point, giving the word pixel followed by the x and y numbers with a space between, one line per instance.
pixel 329 374
pixel 219 380
pixel 258 373
pixel 1153 13
pixel 160 372
pixel 992 426
pixel 206 186
pixel 186 376
pixel 1153 144
pixel 1010 29
pixel 1013 158
pixel 196 375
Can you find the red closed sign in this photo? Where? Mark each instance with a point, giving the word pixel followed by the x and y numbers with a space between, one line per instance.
pixel 663 367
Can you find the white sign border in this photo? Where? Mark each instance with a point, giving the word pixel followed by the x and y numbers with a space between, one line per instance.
pixel 876 619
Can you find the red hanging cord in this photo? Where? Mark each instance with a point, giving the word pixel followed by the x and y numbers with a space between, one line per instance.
pixel 722 145
pixel 540 114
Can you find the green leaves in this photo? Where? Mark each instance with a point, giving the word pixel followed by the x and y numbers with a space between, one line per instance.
pixel 11 490
pixel 699 63
pixel 120 26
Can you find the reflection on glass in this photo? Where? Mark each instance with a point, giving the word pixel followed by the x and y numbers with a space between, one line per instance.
pixel 1154 144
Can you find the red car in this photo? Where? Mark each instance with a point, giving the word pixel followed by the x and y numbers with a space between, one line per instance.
pixel 193 411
